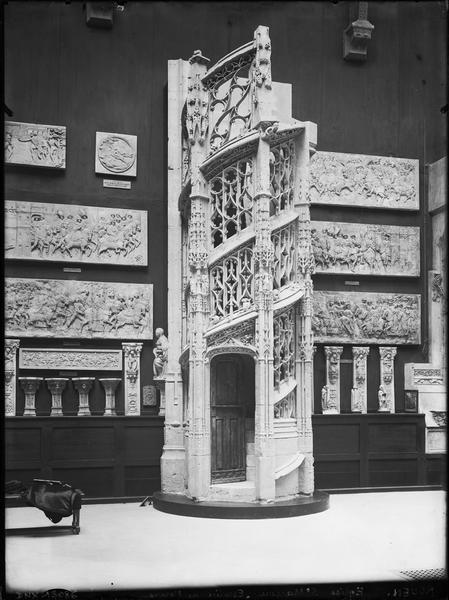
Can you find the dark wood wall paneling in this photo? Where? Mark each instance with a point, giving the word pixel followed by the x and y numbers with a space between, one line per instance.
pixel 105 457
pixel 59 71
pixel 354 451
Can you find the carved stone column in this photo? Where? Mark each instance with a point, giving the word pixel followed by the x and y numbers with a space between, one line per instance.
pixel 263 257
pixel 110 385
pixel 331 400
pixel 199 460
pixel 56 385
pixel 131 353
pixel 30 386
pixel 83 386
pixel 305 349
pixel 359 379
pixel 11 347
pixel 386 388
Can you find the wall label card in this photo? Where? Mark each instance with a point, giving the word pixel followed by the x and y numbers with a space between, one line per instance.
pixel 113 183
pixel 73 233
pixel 58 308
pixel 366 317
pixel 362 180
pixel 363 249
pixel 116 154
pixel 35 145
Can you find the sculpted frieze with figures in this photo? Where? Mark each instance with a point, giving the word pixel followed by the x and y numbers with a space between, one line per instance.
pixel 362 180
pixel 35 145
pixel 364 249
pixel 57 308
pixel 366 317
pixel 72 233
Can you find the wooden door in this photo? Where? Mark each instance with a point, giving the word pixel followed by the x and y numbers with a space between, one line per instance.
pixel 227 420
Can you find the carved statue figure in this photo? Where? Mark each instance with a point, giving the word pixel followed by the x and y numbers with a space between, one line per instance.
pixel 160 353
pixel 382 398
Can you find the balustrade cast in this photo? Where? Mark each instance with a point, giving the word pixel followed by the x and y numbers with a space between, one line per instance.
pixel 56 385
pixel 30 386
pixel 110 385
pixel 83 386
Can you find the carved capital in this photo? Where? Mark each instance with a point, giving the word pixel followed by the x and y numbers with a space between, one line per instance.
pixel 30 385
pixel 83 385
pixel 56 385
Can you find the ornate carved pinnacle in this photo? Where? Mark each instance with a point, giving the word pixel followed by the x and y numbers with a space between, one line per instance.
pixel 197 57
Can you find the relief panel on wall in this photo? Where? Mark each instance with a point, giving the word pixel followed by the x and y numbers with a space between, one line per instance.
pixel 116 154
pixel 72 233
pixel 57 308
pixel 64 358
pixel 35 145
pixel 366 317
pixel 361 180
pixel 363 249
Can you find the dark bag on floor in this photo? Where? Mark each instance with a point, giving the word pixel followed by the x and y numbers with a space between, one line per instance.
pixel 55 499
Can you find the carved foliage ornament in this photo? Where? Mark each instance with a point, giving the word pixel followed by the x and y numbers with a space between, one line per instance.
pixel 243 333
pixel 61 358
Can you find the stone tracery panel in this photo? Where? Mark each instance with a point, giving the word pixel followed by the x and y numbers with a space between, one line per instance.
pixel 284 346
pixel 72 233
pixel 284 261
pixel 231 201
pixel 35 145
pixel 54 308
pixel 366 317
pixel 365 249
pixel 231 282
pixel 282 159
pixel 361 180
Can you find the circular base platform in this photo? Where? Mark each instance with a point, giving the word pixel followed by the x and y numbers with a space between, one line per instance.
pixel 177 504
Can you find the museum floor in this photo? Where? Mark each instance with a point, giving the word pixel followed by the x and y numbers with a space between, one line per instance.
pixel 362 537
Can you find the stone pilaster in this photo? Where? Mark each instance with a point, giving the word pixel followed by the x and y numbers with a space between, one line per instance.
pixel 11 347
pixel 56 385
pixel 83 386
pixel 199 459
pixel 330 394
pixel 110 385
pixel 263 256
pixel 30 385
pixel 386 387
pixel 131 353
pixel 359 379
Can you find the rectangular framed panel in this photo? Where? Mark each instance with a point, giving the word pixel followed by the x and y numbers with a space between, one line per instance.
pixel 75 233
pixel 58 308
pixel 393 472
pixel 366 318
pixel 35 145
pixel 393 437
pixel 63 358
pixel 361 180
pixel 363 249
pixel 337 474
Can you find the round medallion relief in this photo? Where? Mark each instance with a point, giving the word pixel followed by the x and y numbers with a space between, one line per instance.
pixel 116 154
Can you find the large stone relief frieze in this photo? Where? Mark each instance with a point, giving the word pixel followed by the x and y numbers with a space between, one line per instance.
pixel 72 233
pixel 54 308
pixel 367 317
pixel 363 249
pixel 64 358
pixel 36 145
pixel 361 180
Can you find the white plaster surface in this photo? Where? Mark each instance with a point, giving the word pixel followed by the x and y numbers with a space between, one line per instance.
pixel 362 537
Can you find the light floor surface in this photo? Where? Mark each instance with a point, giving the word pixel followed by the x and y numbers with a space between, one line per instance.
pixel 362 537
